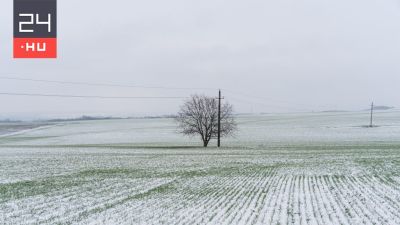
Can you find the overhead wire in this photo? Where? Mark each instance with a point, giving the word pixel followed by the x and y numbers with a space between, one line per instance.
pixel 229 91
pixel 103 84
pixel 90 96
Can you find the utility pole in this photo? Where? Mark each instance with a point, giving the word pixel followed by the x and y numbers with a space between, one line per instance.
pixel 372 110
pixel 219 118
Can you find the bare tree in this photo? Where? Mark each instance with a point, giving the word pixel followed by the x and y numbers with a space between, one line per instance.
pixel 199 116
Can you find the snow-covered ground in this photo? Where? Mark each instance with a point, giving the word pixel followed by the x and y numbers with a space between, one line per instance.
pixel 309 168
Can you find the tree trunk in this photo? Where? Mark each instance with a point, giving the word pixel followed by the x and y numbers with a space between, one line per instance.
pixel 205 143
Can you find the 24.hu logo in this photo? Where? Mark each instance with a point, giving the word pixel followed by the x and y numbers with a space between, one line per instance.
pixel 35 28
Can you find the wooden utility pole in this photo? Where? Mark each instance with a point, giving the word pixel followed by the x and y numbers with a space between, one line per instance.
pixel 372 110
pixel 219 118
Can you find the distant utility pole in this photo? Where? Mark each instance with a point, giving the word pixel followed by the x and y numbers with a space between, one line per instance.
pixel 372 110
pixel 219 118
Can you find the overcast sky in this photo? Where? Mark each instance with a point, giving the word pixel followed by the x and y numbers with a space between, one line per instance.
pixel 296 55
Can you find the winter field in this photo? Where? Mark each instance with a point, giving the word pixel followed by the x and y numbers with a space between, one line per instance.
pixel 309 168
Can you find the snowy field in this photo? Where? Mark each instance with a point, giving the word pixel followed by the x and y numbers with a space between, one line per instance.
pixel 309 168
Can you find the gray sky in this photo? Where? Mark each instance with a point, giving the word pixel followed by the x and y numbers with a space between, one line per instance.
pixel 296 54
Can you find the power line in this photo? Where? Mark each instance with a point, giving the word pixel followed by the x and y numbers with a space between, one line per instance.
pixel 103 84
pixel 254 102
pixel 90 96
pixel 234 92
pixel 266 99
